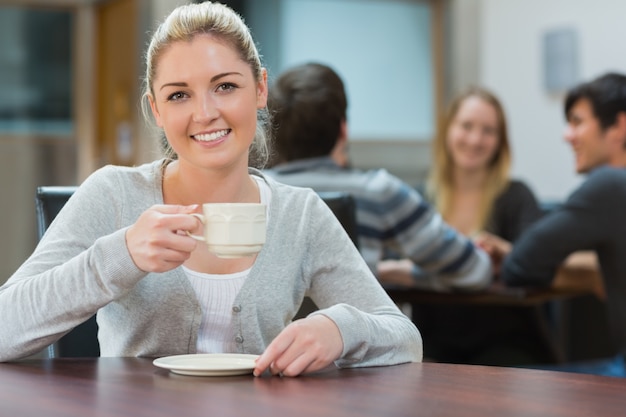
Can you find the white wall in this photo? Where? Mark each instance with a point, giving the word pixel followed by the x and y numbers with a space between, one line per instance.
pixel 510 64
pixel 380 48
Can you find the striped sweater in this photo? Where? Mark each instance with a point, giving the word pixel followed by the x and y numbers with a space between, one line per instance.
pixel 391 215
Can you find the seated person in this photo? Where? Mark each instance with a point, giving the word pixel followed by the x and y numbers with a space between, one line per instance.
pixel 119 247
pixel 469 182
pixel 308 105
pixel 592 218
pixel 470 185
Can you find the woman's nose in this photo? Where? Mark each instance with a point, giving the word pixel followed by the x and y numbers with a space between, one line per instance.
pixel 474 136
pixel 204 110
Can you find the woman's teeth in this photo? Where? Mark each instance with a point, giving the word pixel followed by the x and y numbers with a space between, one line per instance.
pixel 208 137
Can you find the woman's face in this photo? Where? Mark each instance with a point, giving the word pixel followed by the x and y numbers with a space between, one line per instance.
pixel 206 100
pixel 474 135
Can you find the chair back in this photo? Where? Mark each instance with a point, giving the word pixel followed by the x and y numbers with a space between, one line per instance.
pixel 343 206
pixel 81 341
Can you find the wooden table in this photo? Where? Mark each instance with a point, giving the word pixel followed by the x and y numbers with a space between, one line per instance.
pixel 581 277
pixel 551 329
pixel 134 387
pixel 496 294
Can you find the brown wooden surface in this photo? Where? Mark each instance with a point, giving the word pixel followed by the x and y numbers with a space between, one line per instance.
pixel 579 276
pixel 530 301
pixel 134 387
pixel 496 294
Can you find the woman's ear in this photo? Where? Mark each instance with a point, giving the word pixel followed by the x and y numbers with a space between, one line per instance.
pixel 155 111
pixel 261 97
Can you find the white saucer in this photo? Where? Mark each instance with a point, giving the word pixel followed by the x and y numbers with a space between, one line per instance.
pixel 208 364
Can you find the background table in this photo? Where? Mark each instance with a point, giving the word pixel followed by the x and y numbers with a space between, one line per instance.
pixel 496 294
pixel 550 310
pixel 134 387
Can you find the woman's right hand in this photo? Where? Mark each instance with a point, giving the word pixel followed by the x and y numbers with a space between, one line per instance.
pixel 496 247
pixel 157 242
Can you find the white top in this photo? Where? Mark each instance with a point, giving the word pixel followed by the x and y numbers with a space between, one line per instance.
pixel 216 294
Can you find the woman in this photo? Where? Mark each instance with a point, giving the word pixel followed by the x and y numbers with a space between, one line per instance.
pixel 470 182
pixel 120 247
pixel 470 185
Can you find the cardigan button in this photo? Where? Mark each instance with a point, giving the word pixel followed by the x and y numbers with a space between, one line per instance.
pixel 239 339
pixel 236 309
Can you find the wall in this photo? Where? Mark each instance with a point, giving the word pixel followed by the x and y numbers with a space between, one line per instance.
pixel 29 157
pixel 26 163
pixel 388 65
pixel 510 63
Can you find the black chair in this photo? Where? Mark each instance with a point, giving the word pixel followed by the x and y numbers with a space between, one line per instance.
pixel 82 341
pixel 343 206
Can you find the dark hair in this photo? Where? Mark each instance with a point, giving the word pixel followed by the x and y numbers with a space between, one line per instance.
pixel 607 95
pixel 307 104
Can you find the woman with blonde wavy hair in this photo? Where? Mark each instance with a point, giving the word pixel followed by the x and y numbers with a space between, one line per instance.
pixel 122 241
pixel 470 185
pixel 470 181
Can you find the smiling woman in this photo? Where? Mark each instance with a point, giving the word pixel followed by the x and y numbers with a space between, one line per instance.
pixel 470 185
pixel 156 290
pixel 202 114
pixel 470 182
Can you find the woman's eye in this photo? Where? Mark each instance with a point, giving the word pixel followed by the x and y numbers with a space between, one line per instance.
pixel 176 96
pixel 226 87
pixel 489 131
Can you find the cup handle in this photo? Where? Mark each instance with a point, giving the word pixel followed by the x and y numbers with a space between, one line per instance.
pixel 203 221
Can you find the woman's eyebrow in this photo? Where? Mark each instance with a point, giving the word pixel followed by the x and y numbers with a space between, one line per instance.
pixel 213 79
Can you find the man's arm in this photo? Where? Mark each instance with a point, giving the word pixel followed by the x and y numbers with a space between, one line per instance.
pixel 582 223
pixel 443 258
pixel 580 272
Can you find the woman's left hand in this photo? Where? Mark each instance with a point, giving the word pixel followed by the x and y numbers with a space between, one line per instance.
pixel 305 345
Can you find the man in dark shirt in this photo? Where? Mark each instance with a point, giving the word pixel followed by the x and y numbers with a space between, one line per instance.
pixel 593 216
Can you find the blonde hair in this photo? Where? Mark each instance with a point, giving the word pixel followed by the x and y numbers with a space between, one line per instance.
pixel 440 184
pixel 220 21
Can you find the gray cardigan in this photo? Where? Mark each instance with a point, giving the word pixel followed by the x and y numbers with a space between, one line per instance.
pixel 82 266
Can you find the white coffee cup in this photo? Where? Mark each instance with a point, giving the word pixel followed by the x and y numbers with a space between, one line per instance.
pixel 233 230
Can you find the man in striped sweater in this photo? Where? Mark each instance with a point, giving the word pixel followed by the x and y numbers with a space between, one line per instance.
pixel 308 104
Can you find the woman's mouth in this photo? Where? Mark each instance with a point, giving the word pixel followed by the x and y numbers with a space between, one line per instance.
pixel 209 137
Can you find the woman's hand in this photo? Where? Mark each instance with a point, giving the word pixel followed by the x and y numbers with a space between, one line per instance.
pixel 157 242
pixel 397 272
pixel 496 247
pixel 305 345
